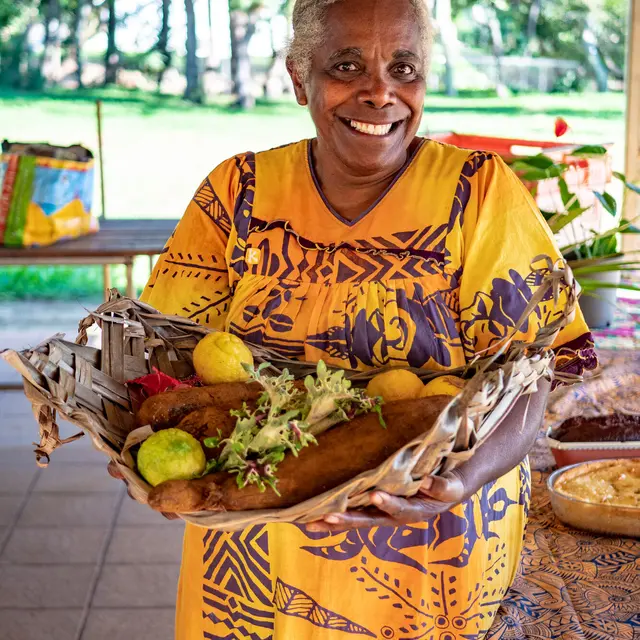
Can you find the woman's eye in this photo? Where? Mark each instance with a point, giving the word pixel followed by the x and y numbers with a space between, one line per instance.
pixel 404 69
pixel 346 67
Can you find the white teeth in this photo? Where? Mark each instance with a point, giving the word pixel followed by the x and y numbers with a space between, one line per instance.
pixel 371 129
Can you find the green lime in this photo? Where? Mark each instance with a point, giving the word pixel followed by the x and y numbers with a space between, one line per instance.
pixel 170 454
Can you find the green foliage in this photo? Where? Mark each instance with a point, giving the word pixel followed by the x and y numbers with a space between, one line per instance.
pixel 599 248
pixel 559 30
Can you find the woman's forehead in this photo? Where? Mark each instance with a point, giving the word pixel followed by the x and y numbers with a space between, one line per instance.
pixel 354 27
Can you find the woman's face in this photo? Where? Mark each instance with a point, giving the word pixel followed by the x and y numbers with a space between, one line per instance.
pixel 367 83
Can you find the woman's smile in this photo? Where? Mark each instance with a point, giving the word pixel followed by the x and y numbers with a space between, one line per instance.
pixel 378 130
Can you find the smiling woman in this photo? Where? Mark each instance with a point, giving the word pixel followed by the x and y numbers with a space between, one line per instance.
pixel 367 246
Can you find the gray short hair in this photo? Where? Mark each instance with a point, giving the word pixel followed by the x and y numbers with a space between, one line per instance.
pixel 308 31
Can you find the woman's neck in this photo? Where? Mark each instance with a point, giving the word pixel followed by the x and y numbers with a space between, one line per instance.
pixel 348 193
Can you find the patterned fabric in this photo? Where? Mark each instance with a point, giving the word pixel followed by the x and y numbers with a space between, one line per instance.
pixel 572 584
pixel 438 270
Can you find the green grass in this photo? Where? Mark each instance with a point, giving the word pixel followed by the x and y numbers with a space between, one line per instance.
pixel 158 149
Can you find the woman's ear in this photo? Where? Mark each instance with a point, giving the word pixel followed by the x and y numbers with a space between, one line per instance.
pixel 298 86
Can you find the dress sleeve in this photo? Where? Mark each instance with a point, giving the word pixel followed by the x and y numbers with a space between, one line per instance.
pixel 503 233
pixel 191 277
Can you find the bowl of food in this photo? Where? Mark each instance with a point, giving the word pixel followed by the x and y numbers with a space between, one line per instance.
pixel 584 438
pixel 602 496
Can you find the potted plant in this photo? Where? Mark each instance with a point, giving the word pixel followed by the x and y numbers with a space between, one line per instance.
pixel 596 257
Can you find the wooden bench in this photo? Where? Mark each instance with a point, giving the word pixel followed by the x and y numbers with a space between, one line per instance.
pixel 117 242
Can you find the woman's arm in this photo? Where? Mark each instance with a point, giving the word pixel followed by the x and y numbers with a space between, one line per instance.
pixel 503 450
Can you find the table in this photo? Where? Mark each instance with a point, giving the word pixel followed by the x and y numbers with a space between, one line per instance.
pixel 117 242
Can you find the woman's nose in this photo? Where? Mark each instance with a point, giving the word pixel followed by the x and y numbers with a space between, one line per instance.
pixel 378 91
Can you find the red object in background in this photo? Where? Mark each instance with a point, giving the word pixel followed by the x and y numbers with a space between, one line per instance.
pixel 584 175
pixel 561 127
pixel 154 383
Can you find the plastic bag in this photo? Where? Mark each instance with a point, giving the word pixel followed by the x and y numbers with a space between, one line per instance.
pixel 46 194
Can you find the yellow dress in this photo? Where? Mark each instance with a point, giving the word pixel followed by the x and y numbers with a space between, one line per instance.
pixel 436 270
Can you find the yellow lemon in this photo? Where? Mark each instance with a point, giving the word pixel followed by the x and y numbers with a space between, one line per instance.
pixel 171 454
pixel 219 357
pixel 443 386
pixel 397 384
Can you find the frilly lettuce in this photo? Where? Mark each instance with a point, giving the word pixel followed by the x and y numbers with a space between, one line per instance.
pixel 287 419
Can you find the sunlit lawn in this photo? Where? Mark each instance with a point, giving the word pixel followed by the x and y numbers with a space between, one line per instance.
pixel 157 149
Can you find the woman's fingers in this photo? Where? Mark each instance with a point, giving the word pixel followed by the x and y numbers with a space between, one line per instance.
pixel 448 488
pixel 335 523
pixel 407 511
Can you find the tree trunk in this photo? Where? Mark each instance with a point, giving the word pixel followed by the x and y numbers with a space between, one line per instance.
pixel 77 39
pixel 497 45
pixel 212 59
pixel 449 41
pixel 532 26
pixel 25 67
pixel 111 58
pixel 242 27
pixel 590 44
pixel 163 41
pixel 192 92
pixel 52 50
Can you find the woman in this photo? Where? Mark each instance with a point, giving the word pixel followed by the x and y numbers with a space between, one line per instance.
pixel 366 246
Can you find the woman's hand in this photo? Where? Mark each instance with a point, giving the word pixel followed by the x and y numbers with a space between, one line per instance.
pixel 437 494
pixel 507 446
pixel 114 473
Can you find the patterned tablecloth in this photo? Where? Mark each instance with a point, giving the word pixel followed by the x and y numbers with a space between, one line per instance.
pixel 571 584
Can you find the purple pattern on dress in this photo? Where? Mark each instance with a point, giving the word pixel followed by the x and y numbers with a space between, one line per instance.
pixel 577 356
pixel 243 210
pixel 237 581
pixel 389 543
pixel 292 601
pixel 463 191
pixel 207 199
pixel 496 313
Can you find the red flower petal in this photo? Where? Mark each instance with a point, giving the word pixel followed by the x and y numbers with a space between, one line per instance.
pixel 561 127
pixel 154 383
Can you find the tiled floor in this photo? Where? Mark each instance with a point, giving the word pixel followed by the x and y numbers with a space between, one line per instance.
pixel 79 560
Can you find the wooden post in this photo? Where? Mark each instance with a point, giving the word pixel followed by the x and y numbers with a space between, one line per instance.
pixel 131 292
pixel 101 157
pixel 106 279
pixel 632 161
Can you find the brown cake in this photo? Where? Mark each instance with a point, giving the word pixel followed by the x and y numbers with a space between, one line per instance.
pixel 612 428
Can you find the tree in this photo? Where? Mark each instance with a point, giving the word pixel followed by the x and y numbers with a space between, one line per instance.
pixel 76 39
pixel 193 91
pixel 162 46
pixel 273 84
pixel 532 26
pixel 243 18
pixel 51 59
pixel 111 57
pixel 449 41
pixel 592 53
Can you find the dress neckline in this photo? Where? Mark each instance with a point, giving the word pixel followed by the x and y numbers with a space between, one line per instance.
pixel 379 199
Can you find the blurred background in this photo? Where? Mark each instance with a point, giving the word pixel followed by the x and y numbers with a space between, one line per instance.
pixel 176 86
pixel 187 83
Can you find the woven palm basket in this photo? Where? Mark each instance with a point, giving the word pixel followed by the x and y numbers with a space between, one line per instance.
pixel 87 387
